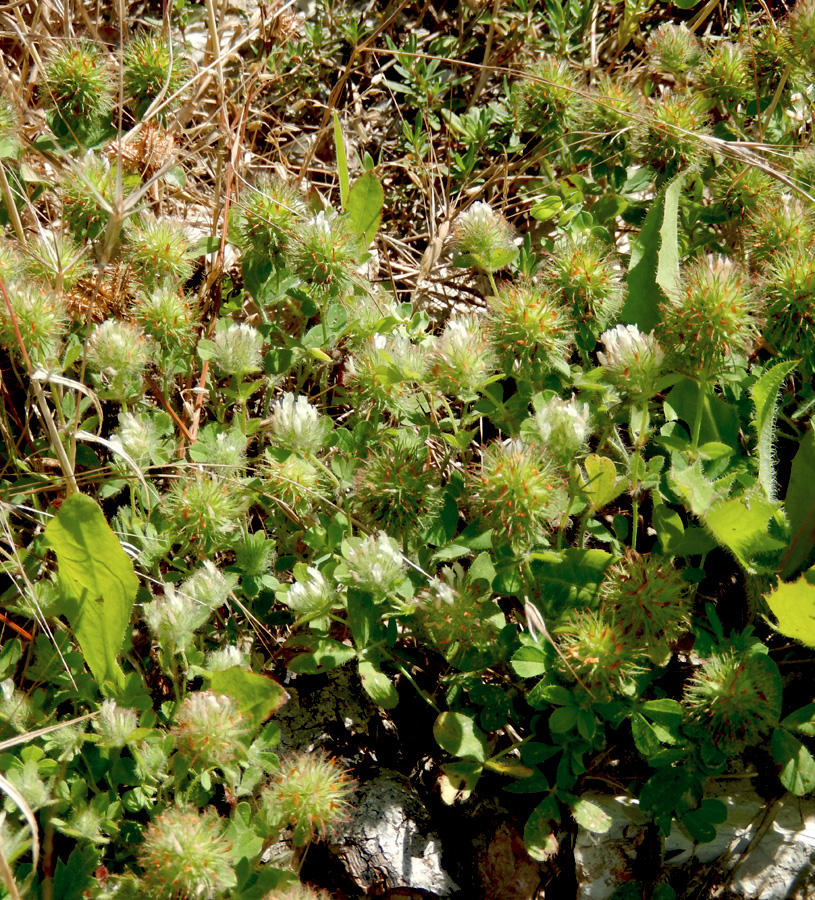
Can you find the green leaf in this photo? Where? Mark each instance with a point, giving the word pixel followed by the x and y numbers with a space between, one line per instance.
pixel 741 526
pixel 529 662
pixel 645 738
pixel 377 685
pixel 591 816
pixel 540 838
pixel 765 396
pixel 795 762
pixel 97 583
pixel 342 162
pixel 324 654
pixel 365 205
pixel 666 716
pixel 563 719
pixel 793 605
pixel 654 264
pixel 546 209
pixel 720 421
pixel 602 486
pixel 801 720
pixel 799 506
pixel 459 735
pixel 669 528
pixel 482 568
pixel 608 207
pixel 697 491
pixel 256 695
pixel 569 579
pixel 702 822
pixel 458 780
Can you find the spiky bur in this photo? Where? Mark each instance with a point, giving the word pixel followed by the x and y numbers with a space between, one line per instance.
pixel 803 168
pixel 530 329
pixel 311 793
pixel 461 622
pixel 80 207
pixel 114 724
pixel 606 121
pixel 118 354
pixel 57 260
pixel 77 85
pixel 632 362
pixel 673 51
pixel 765 43
pixel 742 188
pixel 517 492
pixel 158 250
pixel 711 320
pixel 12 264
pixel 776 223
pixel 724 76
pixel 166 316
pixel 295 424
pixel 42 319
pixel 669 137
pixel 462 359
pixel 375 565
pixel 562 429
pixel 185 855
pixel 483 239
pixel 733 699
pixel 547 101
pixel 601 655
pixel 205 512
pixel 397 488
pixel 386 371
pixel 292 484
pixel 798 35
pixel 326 252
pixel 587 275
pixel 210 731
pixel 149 68
pixel 789 288
pixel 235 351
pixel 265 220
pixel 649 600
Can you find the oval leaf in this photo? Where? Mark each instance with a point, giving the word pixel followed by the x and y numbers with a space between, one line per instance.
pixel 458 735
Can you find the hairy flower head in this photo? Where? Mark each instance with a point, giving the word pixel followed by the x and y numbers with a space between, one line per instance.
pixel 633 362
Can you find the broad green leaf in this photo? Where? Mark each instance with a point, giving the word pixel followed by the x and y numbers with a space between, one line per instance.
pixel 795 762
pixel 377 685
pixel 741 526
pixel 323 655
pixel 529 662
pixel 342 162
pixel 645 738
pixel 563 719
pixel 720 421
pixel 482 568
pixel 654 264
pixel 459 735
pixel 801 720
pixel 97 583
pixel 697 491
pixel 546 209
pixel 540 838
pixel 669 528
pixel 702 822
pixel 591 816
pixel 569 579
pixel 666 716
pixel 799 506
pixel 256 695
pixel 365 205
pixel 793 605
pixel 602 486
pixel 765 397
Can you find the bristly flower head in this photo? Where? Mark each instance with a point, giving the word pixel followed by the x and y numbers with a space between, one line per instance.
pixel 530 328
pixel 166 316
pixel 326 252
pixel 114 724
pixel 310 792
pixel 798 35
pixel 9 128
pixel 311 597
pixel 42 318
pixel 669 137
pixel 548 100
pixel 606 120
pixel 268 215
pixel 80 207
pixel 483 239
pixel 297 892
pixel 517 492
pixel 633 362
pixel 158 250
pixel 205 512
pixel 710 319
pixel 375 565
pixel 734 698
pixel 777 223
pixel 185 855
pixel 586 274
pixel 294 483
pixel 210 730
pixel 789 286
pixel 146 438
pixel 78 85
pixel 149 69
pixel 236 349
pixel 297 425
pixel 462 359
pixel 725 76
pixel 563 427
pixel 600 654
pixel 173 618
pixel 57 260
pixel 119 353
pixel 406 365
pixel 650 601
pixel 673 50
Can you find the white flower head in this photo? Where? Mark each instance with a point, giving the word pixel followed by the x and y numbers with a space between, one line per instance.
pixel 237 349
pixel 115 724
pixel 632 360
pixel 563 427
pixel 376 565
pixel 297 425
